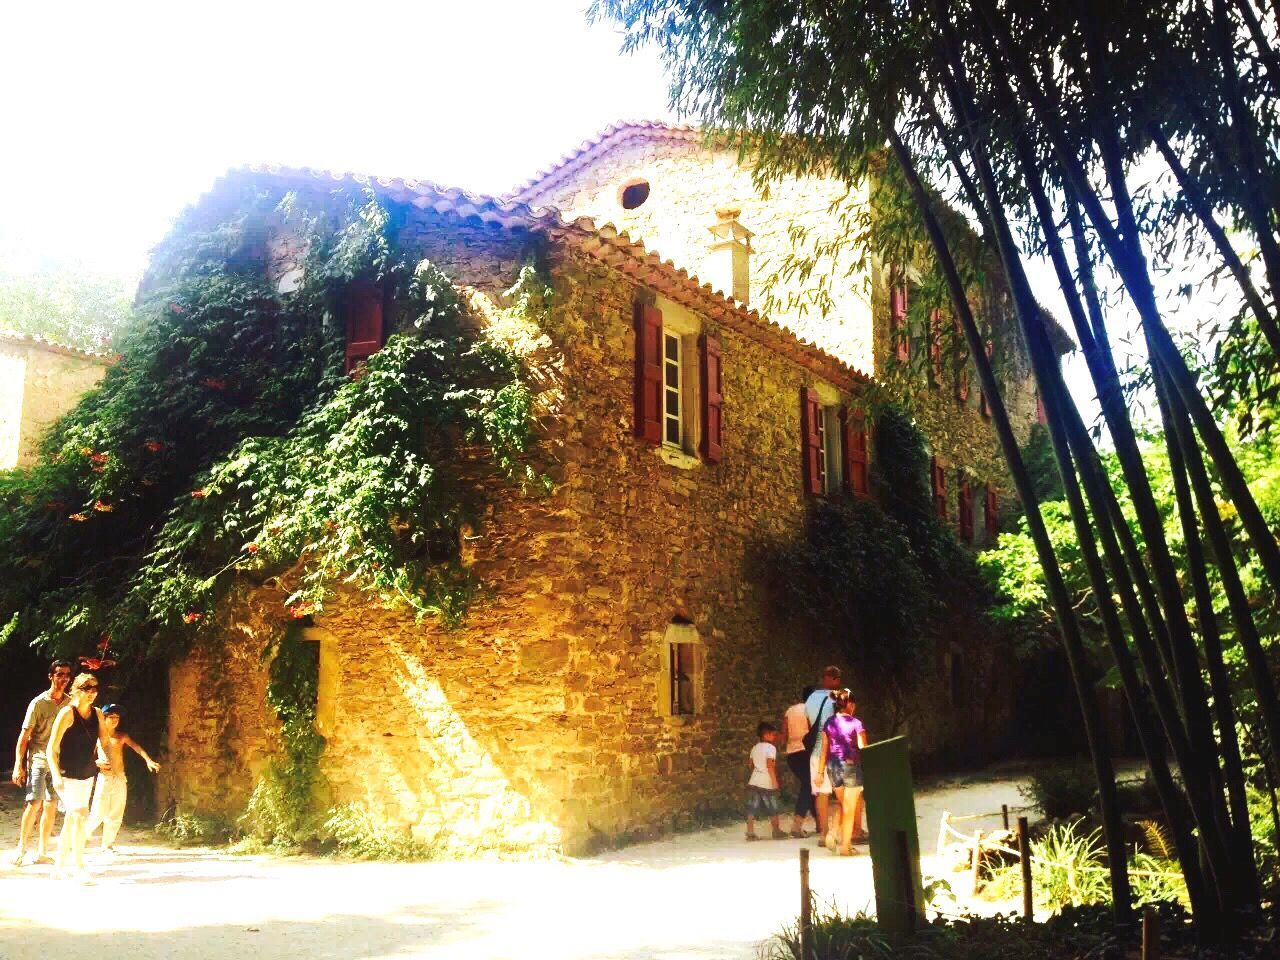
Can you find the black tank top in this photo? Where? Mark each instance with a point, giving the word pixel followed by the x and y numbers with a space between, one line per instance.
pixel 78 754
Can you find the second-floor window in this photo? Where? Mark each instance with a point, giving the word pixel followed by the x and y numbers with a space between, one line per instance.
pixel 672 391
pixel 678 385
pixel 938 478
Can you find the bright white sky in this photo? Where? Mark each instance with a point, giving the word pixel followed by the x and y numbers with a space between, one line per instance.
pixel 117 115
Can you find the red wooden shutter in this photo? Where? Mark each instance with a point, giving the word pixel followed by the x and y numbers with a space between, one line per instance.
pixel 648 373
pixel 810 411
pixel 898 321
pixel 712 425
pixel 364 322
pixel 935 347
pixel 965 504
pixel 991 514
pixel 962 357
pixel 938 477
pixel 853 441
pixel 984 406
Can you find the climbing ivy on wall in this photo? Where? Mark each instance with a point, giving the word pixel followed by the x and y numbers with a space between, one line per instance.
pixel 227 443
pixel 884 577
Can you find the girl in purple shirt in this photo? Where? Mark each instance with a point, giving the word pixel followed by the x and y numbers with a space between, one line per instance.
pixel 843 738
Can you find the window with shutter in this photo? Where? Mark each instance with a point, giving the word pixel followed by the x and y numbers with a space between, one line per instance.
pixel 712 384
pixel 935 349
pixel 364 322
pixel 854 441
pixel 649 373
pixel 991 513
pixel 984 407
pixel 964 504
pixel 962 362
pixel 812 428
pixel 939 483
pixel 898 321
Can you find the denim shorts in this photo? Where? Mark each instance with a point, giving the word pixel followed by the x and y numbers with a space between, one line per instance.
pixel 762 802
pixel 39 781
pixel 844 774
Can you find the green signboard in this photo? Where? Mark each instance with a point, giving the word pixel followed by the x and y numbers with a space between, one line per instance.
pixel 895 844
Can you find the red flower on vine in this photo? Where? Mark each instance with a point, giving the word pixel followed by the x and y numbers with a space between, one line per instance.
pixel 78 517
pixel 192 616
pixel 101 507
pixel 214 383
pixel 96 663
pixel 252 548
pixel 177 308
pixel 154 446
pixel 200 494
pixel 99 458
pixel 301 610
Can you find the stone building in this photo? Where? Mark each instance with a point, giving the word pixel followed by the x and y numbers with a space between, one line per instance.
pixel 610 683
pixel 39 382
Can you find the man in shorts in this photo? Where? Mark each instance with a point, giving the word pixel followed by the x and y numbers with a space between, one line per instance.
pixel 31 767
pixel 818 709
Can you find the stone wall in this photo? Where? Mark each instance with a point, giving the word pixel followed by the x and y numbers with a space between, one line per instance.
pixel 689 182
pixel 541 722
pixel 38 383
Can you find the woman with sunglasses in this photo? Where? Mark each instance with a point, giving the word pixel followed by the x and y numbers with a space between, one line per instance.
pixel 73 754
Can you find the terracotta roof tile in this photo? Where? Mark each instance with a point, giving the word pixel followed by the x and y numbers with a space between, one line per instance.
pixel 42 343
pixel 604 242
pixel 589 149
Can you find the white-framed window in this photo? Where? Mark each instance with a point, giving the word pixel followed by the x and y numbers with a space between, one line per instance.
pixel 830 454
pixel 672 390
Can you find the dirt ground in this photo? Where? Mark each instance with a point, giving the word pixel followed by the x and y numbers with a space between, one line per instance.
pixel 698 896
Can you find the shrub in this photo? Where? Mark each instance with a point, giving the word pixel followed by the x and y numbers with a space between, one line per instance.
pixel 1066 867
pixel 195 829
pixel 357 833
pixel 1060 792
pixel 836 937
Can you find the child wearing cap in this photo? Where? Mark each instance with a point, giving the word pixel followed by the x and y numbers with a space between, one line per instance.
pixel 112 787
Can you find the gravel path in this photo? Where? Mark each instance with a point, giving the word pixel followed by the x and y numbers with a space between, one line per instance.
pixel 700 896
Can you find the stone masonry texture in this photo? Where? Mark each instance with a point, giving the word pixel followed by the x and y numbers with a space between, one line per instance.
pixel 541 723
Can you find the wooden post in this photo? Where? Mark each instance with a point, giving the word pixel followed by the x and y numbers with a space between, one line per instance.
pixel 806 904
pixel 977 858
pixel 1004 814
pixel 942 831
pixel 1150 934
pixel 1024 855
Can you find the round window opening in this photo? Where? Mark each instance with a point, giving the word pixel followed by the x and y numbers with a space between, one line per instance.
pixel 634 194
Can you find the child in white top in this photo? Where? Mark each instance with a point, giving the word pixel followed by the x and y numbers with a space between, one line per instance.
pixel 762 788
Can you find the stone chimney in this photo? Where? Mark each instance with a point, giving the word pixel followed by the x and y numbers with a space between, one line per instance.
pixel 729 266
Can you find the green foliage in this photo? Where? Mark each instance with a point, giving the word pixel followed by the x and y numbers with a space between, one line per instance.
pixel 850 558
pixel 1061 791
pixel 195 830
pixel 358 834
pixel 854 553
pixel 67 306
pixel 837 937
pixel 227 443
pixel 1066 867
pixel 279 812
